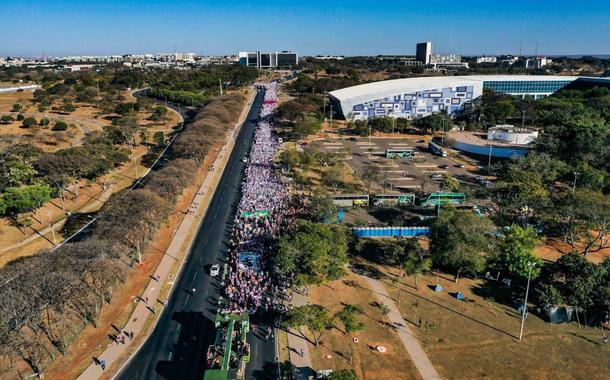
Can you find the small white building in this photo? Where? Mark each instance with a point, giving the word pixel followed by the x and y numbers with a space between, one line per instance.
pixel 512 135
pixel 487 59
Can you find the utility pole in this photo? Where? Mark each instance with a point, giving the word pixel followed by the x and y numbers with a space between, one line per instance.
pixel 370 131
pixel 530 264
pixel 52 226
pixel 331 117
pixel 220 85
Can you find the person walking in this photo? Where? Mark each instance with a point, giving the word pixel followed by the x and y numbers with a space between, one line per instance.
pixel 302 352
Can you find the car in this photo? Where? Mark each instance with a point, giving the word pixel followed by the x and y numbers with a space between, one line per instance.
pixel 443 166
pixel 436 176
pixel 280 140
pixel 214 270
pixel 461 166
pixel 244 159
pixel 421 141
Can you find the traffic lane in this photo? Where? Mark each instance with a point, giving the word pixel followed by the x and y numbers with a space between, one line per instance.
pixel 263 364
pixel 157 359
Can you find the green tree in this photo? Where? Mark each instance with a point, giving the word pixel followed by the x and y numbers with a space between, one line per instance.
pixel 322 207
pixel 29 122
pixel 416 266
pixel 314 317
pixel 44 122
pixel 370 175
pixel 159 139
pixel 515 252
pixel 17 107
pixel 450 184
pixel 460 241
pixel 348 315
pixel 19 200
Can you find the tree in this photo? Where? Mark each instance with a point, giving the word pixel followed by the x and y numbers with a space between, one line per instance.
pixel 515 252
pixel 322 207
pixel 19 200
pixel 416 266
pixel 343 374
pixel 60 126
pixel 315 252
pixel 44 122
pixel 450 184
pixel 29 122
pixel 460 241
pixel 6 119
pixel 333 177
pixel 17 107
pixel 370 175
pixel 314 317
pixel 348 316
pixel 434 123
pixel 584 219
pixel 159 139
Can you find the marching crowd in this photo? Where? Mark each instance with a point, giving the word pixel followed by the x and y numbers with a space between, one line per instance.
pixel 265 209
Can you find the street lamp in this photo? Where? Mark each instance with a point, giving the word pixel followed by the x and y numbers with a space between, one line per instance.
pixel 576 174
pixel 530 265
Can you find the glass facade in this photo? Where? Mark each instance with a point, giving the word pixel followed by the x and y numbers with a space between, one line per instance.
pixel 526 87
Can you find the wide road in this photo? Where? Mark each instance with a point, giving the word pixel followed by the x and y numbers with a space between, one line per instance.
pixel 177 346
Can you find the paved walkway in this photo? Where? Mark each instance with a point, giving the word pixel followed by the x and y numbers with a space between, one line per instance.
pixel 149 302
pixel 418 355
pixel 296 343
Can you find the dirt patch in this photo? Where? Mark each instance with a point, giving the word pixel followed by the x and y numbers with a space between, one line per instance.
pixel 367 362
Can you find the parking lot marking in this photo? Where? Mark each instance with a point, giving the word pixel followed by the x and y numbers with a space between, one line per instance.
pixel 332 143
pixel 407 187
pixel 434 171
pixel 426 165
pixel 401 179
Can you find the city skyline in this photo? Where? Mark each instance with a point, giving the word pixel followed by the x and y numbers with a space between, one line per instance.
pixel 60 28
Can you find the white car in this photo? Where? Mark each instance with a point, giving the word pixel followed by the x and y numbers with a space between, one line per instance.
pixel 214 270
pixel 245 159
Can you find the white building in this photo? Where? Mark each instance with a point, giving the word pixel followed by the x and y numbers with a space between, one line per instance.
pixel 512 135
pixel 537 63
pixel 487 59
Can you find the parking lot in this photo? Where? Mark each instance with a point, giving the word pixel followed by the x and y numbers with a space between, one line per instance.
pixel 423 172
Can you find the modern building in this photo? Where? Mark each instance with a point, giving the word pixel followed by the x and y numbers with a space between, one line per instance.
pixel 423 52
pixel 537 63
pixel 277 60
pixel 422 96
pixel 512 135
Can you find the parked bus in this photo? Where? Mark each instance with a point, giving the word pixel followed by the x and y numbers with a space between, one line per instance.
pixel 400 153
pixel 440 198
pixel 436 149
pixel 351 200
pixel 400 199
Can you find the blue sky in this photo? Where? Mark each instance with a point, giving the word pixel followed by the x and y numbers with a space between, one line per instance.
pixel 29 27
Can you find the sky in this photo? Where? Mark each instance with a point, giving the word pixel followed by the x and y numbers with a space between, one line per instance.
pixel 325 27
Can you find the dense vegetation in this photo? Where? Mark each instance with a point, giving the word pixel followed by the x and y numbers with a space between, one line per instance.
pixel 45 300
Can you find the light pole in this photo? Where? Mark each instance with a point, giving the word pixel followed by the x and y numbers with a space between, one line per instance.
pixel 489 160
pixel 370 142
pixel 530 264
pixel 576 174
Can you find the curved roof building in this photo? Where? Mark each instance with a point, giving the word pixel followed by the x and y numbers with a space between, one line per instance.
pixel 422 96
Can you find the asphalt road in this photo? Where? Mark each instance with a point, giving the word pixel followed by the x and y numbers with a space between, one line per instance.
pixel 177 346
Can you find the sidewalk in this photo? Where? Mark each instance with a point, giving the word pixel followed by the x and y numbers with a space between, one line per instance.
pixel 149 303
pixel 296 343
pixel 418 355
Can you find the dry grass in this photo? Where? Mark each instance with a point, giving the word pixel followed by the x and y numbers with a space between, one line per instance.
pixel 368 363
pixel 476 338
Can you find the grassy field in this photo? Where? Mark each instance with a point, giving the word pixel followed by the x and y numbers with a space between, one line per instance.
pixel 368 363
pixel 476 338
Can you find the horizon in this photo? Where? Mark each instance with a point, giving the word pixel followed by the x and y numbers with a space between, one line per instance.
pixel 113 27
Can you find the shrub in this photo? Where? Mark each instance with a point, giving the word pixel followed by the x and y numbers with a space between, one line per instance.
pixel 60 126
pixel 29 122
pixel 6 119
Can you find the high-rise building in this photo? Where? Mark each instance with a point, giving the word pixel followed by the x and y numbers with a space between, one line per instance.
pixel 277 60
pixel 423 52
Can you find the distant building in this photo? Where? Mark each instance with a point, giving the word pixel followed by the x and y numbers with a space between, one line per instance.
pixel 537 63
pixel 487 59
pixel 512 135
pixel 423 52
pixel 329 57
pixel 277 60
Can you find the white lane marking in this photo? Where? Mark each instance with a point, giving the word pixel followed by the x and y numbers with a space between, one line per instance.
pixel 401 179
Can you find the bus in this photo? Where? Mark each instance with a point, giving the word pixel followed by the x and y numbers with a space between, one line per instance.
pixel 400 199
pixel 351 200
pixel 400 153
pixel 441 199
pixel 436 149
